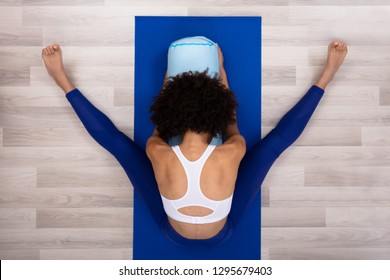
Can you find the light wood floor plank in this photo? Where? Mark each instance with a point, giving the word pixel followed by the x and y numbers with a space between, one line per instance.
pixel 91 76
pixel 92 156
pixel 110 196
pixel 290 36
pixel 345 176
pixel 309 237
pixel 358 216
pixel 338 2
pixel 335 156
pixel 11 3
pixel 85 217
pixel 84 177
pixel 293 217
pixel 291 176
pixel 271 15
pixel 58 116
pixel 20 36
pixel 330 136
pixel 93 16
pixel 264 253
pixel 264 196
pixel 20 77
pixel 354 96
pixel 86 254
pixel 11 16
pixel 53 97
pixel 322 253
pixel 353 13
pixel 285 75
pixel 357 75
pixel 17 218
pixel 37 116
pixel 371 55
pixel 66 238
pixel 336 115
pixel 326 136
pixel 89 36
pixel 23 254
pixel 124 96
pixel 330 196
pixel 64 3
pixel 385 95
pixel 207 3
pixel 376 136
pixel 355 32
pixel 281 56
pixel 19 57
pixel 45 137
pixel 18 177
pixel 98 56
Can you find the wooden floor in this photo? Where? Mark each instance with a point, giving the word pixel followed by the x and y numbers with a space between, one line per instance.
pixel 63 197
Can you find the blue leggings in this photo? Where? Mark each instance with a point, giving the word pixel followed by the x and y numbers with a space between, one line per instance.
pixel 253 168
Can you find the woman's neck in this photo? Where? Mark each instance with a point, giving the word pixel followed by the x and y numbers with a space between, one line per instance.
pixel 191 137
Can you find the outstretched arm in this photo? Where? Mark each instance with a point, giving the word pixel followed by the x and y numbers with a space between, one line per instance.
pixel 155 139
pixel 232 128
pixel 232 134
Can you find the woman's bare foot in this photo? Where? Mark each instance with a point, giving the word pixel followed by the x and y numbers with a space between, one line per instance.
pixel 52 57
pixel 336 54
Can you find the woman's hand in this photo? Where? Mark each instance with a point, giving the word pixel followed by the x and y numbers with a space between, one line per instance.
pixel 221 59
pixel 222 72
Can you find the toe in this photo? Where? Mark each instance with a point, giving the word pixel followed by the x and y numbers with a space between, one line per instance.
pixel 57 47
pixel 332 45
pixel 51 51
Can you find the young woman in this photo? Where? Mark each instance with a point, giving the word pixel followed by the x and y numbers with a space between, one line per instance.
pixel 196 187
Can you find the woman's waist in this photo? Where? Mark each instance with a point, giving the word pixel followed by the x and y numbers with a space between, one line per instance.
pixel 197 231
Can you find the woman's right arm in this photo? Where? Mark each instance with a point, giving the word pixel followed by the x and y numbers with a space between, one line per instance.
pixel 232 133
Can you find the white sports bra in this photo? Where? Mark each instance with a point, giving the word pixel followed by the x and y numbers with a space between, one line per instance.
pixel 194 195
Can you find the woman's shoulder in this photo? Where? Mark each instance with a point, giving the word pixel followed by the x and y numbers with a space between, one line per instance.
pixel 156 147
pixel 234 146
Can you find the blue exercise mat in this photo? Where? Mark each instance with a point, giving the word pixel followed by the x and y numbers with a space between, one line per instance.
pixel 240 41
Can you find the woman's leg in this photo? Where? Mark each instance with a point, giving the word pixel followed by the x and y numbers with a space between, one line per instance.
pixel 257 162
pixel 132 158
pixel 259 159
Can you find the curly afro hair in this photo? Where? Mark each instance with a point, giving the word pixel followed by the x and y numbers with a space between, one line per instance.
pixel 193 101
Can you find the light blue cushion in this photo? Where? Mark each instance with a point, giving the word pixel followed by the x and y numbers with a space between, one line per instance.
pixel 195 54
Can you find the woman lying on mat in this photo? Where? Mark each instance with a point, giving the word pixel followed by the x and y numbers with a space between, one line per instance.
pixel 196 186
